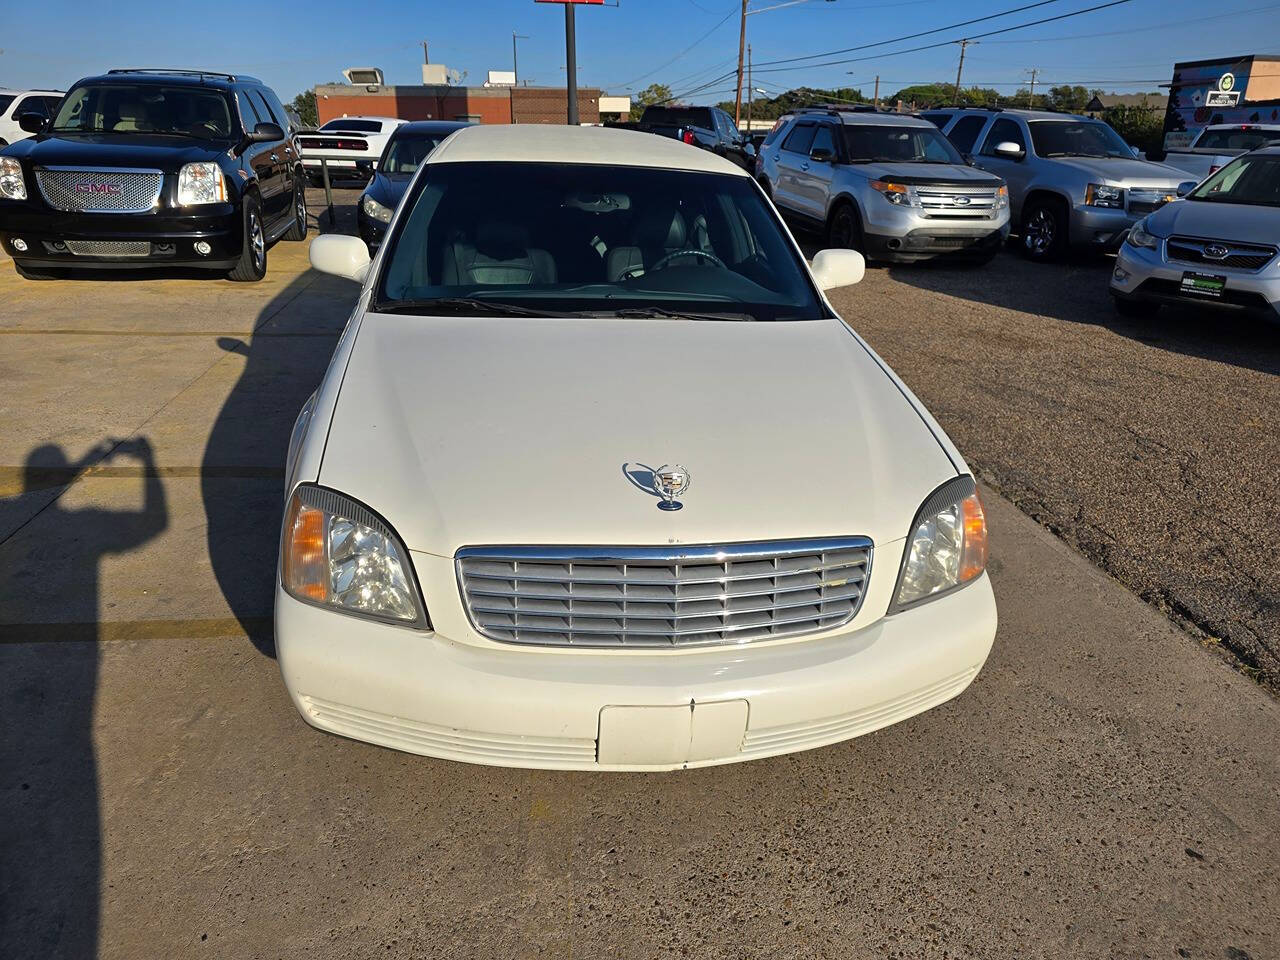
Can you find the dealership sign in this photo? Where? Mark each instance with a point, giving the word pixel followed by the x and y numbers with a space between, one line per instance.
pixel 1222 98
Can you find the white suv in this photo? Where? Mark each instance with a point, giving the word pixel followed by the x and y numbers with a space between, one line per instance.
pixel 14 103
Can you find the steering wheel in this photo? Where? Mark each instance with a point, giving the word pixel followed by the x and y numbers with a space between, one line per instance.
pixel 691 252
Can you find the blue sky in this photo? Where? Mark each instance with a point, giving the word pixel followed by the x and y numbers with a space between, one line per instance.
pixel 293 46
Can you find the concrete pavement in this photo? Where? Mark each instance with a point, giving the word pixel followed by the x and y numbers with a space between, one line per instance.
pixel 1105 788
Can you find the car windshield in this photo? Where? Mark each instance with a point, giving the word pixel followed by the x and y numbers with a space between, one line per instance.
pixel 867 143
pixel 405 153
pixel 1236 138
pixel 1077 138
pixel 577 239
pixel 186 111
pixel 1253 180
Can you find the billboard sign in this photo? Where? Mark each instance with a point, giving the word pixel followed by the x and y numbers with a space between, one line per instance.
pixel 1222 98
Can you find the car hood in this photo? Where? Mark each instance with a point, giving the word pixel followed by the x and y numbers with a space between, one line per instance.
pixel 1243 223
pixel 927 173
pixel 115 150
pixel 388 190
pixel 1125 171
pixel 485 431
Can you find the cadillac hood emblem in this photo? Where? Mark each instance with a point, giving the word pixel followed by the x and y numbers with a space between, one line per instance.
pixel 670 481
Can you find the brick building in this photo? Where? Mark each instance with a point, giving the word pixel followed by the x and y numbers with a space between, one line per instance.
pixel 477 104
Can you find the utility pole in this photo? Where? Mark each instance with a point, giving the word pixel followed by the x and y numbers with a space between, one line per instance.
pixel 1031 97
pixel 742 43
pixel 571 61
pixel 963 44
pixel 751 89
pixel 877 95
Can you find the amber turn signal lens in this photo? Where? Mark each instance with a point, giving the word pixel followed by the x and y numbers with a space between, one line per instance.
pixel 973 560
pixel 305 564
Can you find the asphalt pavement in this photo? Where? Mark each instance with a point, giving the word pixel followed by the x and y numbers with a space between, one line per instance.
pixel 1106 788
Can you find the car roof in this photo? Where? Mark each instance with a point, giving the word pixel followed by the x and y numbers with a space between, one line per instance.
pixel 1242 126
pixel 175 77
pixel 424 127
pixel 365 116
pixel 853 118
pixel 8 91
pixel 530 143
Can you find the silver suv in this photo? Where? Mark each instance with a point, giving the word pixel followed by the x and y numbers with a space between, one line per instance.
pixel 886 184
pixel 1072 180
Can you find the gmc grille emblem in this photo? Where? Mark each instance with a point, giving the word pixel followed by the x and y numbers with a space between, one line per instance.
pixel 111 189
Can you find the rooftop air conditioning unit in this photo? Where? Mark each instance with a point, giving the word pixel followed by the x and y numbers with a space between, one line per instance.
pixel 364 75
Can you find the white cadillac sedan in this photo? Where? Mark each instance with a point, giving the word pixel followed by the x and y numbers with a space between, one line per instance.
pixel 597 478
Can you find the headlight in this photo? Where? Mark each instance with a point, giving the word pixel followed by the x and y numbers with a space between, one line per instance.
pixel 896 193
pixel 374 209
pixel 1139 237
pixel 200 183
pixel 337 553
pixel 947 546
pixel 12 186
pixel 1002 197
pixel 1103 195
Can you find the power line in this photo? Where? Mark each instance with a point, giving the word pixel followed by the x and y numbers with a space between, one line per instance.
pixel 645 76
pixel 1147 28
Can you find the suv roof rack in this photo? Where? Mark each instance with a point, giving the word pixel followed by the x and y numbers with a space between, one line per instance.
pixel 184 73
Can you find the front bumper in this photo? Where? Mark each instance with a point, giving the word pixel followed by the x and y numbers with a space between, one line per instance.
pixel 1147 275
pixel 1100 228
pixel 933 241
pixel 50 237
pixel 587 709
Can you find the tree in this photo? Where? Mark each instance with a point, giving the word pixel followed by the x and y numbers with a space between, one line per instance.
pixel 944 94
pixel 1141 127
pixel 304 105
pixel 1068 99
pixel 653 93
pixel 771 108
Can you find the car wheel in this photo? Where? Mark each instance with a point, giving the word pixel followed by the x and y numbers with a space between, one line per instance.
pixel 36 273
pixel 844 230
pixel 1044 230
pixel 299 229
pixel 1136 309
pixel 252 265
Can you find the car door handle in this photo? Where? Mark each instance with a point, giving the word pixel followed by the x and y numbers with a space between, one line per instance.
pixel 288 149
pixel 275 157
pixel 804 166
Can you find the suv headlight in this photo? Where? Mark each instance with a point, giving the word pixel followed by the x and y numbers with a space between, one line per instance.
pixel 1103 195
pixel 947 546
pixel 201 183
pixel 337 553
pixel 1139 237
pixel 374 209
pixel 899 194
pixel 12 186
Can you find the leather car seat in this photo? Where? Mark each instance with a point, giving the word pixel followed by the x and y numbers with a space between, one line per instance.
pixel 658 232
pixel 500 255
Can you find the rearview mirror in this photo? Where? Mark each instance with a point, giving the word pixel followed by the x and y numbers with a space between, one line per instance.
pixel 1137 154
pixel 341 256
pixel 1010 150
pixel 266 132
pixel 821 155
pixel 32 122
pixel 837 268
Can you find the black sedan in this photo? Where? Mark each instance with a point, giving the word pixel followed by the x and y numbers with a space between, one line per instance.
pixel 407 148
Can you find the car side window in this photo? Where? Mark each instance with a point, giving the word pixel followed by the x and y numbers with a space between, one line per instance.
pixel 277 108
pixel 51 105
pixel 823 140
pixel 30 105
pixel 248 112
pixel 939 120
pixel 1003 130
pixel 264 109
pixel 965 132
pixel 799 139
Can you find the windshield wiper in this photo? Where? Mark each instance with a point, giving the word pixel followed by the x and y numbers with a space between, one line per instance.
pixel 643 313
pixel 1074 153
pixel 459 306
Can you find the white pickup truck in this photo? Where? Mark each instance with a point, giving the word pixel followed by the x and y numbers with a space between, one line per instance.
pixel 1218 144
pixel 357 141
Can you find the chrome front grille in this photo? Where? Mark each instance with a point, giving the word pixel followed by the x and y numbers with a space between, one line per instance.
pixel 663 596
pixel 1141 202
pixel 1238 256
pixel 956 202
pixel 109 248
pixel 100 189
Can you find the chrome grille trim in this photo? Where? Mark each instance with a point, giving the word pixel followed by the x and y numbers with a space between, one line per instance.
pixel 937 200
pixel 1240 256
pixel 660 597
pixel 109 248
pixel 139 189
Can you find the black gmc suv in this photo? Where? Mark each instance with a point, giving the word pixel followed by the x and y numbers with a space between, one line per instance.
pixel 151 168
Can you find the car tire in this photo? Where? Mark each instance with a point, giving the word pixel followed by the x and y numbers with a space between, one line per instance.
pixel 252 265
pixel 844 228
pixel 1135 309
pixel 38 273
pixel 1044 230
pixel 299 229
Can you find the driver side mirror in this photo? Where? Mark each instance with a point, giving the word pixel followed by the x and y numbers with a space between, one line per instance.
pixel 32 122
pixel 1010 150
pixel 821 155
pixel 340 255
pixel 836 268
pixel 266 132
pixel 1185 187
